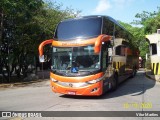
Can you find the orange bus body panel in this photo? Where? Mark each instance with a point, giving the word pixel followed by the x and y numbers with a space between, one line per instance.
pixel 42 45
pixel 86 90
pixel 73 43
pixel 76 79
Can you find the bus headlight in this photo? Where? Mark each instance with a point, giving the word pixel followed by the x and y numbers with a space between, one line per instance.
pixel 53 80
pixel 92 81
pixel 95 81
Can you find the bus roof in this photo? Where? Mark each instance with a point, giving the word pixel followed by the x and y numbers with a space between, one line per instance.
pixel 95 16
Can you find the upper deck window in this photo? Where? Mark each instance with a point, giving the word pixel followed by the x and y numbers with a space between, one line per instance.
pixel 79 28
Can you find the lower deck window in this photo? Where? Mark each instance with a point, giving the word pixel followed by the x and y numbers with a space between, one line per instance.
pixel 120 50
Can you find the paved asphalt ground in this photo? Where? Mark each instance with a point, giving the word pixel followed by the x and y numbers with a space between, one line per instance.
pixel 128 97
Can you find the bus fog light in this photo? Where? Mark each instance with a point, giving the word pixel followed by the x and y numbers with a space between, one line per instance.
pixel 95 89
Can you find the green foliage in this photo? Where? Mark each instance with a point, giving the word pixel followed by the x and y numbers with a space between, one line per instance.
pixel 24 25
pixel 139 38
pixel 150 22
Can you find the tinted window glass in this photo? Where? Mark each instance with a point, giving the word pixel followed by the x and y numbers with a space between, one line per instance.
pixel 153 49
pixel 120 50
pixel 108 27
pixel 119 32
pixel 79 28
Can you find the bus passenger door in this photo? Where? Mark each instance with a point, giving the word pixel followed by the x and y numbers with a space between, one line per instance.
pixel 106 60
pixel 119 61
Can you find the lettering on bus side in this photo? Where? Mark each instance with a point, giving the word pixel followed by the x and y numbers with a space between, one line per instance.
pixel 72 44
pixel 64 44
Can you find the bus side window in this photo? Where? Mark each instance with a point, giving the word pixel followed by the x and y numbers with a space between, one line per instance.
pixel 110 53
pixel 106 55
pixel 108 27
pixel 120 50
pixel 104 65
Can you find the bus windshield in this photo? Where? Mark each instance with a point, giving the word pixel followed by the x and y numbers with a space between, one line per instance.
pixel 79 28
pixel 75 61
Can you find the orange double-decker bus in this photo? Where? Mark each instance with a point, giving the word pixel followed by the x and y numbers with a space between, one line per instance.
pixel 90 56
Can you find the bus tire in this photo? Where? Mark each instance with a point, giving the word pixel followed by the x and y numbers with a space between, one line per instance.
pixel 115 82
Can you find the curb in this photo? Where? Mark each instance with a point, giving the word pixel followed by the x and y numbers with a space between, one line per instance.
pixel 7 85
pixel 152 77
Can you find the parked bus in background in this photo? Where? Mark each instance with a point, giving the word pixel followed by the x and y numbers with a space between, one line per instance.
pixel 90 55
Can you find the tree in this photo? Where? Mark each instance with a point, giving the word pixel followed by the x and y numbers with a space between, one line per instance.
pixel 15 20
pixel 149 20
pixel 152 24
pixel 24 24
pixel 139 38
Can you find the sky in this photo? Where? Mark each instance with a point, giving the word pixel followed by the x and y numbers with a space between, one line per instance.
pixel 123 10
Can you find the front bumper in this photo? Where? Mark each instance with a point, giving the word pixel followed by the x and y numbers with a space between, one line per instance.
pixel 89 90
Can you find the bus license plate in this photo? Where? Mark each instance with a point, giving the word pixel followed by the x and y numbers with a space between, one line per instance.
pixel 71 93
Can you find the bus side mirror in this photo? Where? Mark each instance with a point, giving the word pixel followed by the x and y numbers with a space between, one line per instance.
pixel 97 49
pixel 98 42
pixel 40 48
pixel 41 58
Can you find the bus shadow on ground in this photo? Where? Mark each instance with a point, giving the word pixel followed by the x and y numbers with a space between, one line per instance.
pixel 132 86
